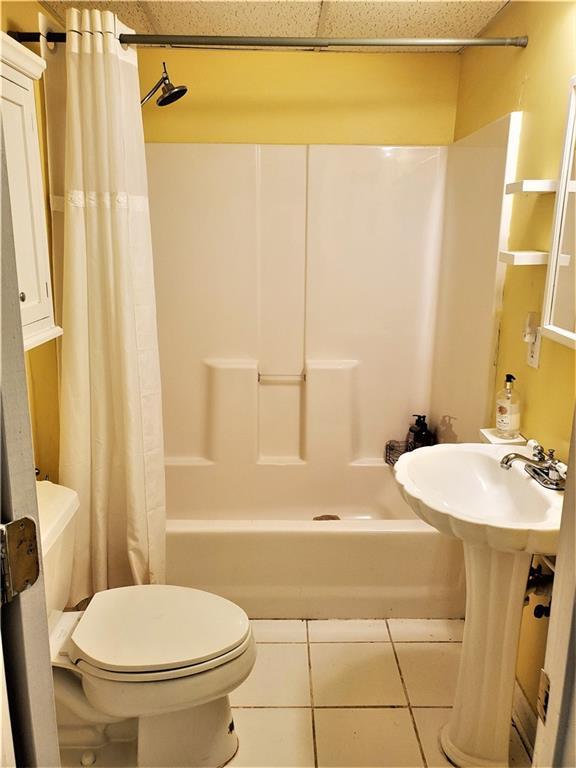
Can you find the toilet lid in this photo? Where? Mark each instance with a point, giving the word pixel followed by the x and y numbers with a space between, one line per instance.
pixel 156 627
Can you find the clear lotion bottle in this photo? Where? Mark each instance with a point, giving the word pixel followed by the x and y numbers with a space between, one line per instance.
pixel 508 410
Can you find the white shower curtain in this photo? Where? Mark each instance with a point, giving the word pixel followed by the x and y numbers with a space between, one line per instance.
pixel 111 443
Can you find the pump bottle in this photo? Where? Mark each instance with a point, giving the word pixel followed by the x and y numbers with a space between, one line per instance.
pixel 508 410
pixel 419 435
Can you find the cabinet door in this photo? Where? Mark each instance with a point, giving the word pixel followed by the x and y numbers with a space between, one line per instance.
pixel 26 203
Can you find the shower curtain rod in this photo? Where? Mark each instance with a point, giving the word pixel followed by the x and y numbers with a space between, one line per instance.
pixel 219 41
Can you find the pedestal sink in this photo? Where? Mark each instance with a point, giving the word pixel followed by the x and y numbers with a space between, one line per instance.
pixel 502 518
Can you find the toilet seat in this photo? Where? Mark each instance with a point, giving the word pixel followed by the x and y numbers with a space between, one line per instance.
pixel 157 632
pixel 164 674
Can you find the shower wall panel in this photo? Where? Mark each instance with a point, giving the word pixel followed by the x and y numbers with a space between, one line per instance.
pixel 374 229
pixel 296 300
pixel 203 206
pixel 476 224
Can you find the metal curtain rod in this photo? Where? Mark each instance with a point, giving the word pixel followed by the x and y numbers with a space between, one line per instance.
pixel 216 41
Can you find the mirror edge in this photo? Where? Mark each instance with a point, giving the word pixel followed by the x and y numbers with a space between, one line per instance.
pixel 549 330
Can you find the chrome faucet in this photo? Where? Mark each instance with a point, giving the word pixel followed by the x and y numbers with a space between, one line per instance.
pixel 538 458
pixel 543 467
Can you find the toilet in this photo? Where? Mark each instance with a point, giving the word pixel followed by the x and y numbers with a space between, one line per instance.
pixel 155 663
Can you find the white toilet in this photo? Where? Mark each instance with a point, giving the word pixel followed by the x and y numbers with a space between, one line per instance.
pixel 156 662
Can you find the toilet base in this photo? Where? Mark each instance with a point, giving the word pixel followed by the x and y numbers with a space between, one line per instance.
pixel 199 737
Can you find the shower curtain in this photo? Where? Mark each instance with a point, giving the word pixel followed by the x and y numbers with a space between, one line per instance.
pixel 111 442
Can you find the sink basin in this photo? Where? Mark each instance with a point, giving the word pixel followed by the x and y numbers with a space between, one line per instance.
pixel 463 491
pixel 502 517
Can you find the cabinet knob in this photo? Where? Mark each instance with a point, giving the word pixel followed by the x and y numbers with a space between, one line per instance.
pixel 22 296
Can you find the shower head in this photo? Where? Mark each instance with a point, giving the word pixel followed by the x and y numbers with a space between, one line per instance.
pixel 170 93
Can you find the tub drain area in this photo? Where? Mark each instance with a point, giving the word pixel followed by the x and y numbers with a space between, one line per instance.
pixel 326 517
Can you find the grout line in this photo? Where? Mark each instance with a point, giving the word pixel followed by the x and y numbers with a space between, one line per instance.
pixel 280 642
pixel 420 747
pixel 327 706
pixel 314 745
pixel 427 642
pixel 381 641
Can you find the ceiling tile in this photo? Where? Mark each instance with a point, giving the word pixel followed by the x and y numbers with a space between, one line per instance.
pixel 237 17
pixel 379 18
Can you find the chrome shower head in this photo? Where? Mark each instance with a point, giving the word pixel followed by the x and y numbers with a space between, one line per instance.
pixel 170 93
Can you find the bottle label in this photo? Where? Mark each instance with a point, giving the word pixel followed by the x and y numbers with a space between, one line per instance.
pixel 507 416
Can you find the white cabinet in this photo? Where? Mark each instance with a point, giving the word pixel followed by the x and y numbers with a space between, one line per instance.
pixel 19 68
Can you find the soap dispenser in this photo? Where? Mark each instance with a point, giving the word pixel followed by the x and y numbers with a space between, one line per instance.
pixel 419 435
pixel 508 410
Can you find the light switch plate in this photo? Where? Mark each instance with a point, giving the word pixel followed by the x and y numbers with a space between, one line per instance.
pixel 533 357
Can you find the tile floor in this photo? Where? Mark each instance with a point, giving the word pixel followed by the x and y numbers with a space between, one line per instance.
pixel 350 693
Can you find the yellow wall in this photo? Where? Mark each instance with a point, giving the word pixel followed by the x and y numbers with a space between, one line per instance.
pixel 40 362
pixel 303 97
pixel 493 83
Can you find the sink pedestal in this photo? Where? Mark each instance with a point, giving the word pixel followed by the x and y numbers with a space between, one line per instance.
pixel 478 732
pixel 502 518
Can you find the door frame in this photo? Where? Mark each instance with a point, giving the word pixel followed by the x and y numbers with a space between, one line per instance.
pixel 24 623
pixel 555 738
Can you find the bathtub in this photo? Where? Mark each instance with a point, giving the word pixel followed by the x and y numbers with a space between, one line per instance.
pixel 297 567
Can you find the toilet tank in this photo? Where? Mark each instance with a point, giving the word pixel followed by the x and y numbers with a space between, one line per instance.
pixel 57 507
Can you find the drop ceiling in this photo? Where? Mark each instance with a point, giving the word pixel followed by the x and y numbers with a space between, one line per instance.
pixel 298 18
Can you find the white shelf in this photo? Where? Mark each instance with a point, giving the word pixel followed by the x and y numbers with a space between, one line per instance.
pixel 542 186
pixel 523 258
pixel 532 185
pixel 529 258
pixel 489 435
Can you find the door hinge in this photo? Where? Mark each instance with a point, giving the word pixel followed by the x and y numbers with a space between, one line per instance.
pixel 20 566
pixel 543 695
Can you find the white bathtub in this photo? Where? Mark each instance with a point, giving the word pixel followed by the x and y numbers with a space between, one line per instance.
pixel 300 568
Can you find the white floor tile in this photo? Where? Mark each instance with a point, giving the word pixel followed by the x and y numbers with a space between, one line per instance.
pixel 426 630
pixel 274 738
pixel 279 630
pixel 348 631
pixel 355 674
pixel 430 672
pixel 279 678
pixel 430 721
pixel 366 737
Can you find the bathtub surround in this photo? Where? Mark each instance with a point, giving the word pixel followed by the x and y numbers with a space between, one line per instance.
pixel 290 305
pixel 301 331
pixel 476 227
pixel 111 446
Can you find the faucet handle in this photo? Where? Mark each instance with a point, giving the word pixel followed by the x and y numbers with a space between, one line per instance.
pixel 561 468
pixel 538 452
